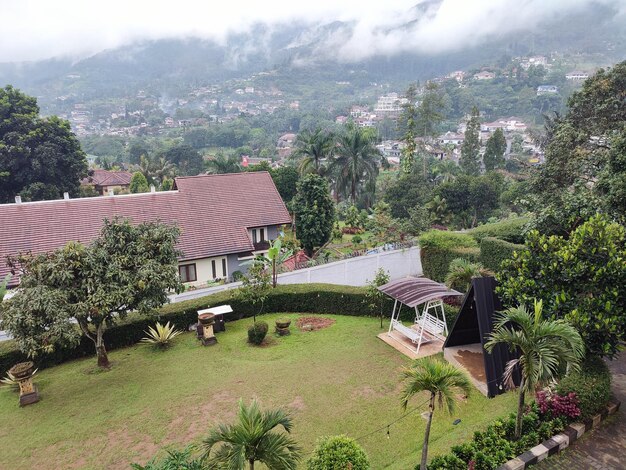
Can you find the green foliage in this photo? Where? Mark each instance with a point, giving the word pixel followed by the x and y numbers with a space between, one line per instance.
pixel 254 438
pixel 188 160
pixel 221 164
pixel 175 460
pixel 438 248
pixel 461 272
pixel 40 158
pixel 139 183
pixel 3 286
pixel 257 332
pixel 510 230
pixel 494 251
pixel 373 296
pixel 338 452
pixel 592 386
pixel 127 268
pixel 286 180
pixel 563 272
pixel 470 150
pixel 315 212
pixel 255 286
pixel 161 336
pixel 408 191
pixel 493 158
pixel 353 218
pixel 311 148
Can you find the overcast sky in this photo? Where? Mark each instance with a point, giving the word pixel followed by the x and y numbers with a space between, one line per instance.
pixel 37 29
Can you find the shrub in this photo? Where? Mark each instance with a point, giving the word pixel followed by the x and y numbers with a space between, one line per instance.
pixel 161 336
pixel 257 332
pixel 175 459
pixel 555 405
pixel 510 230
pixel 494 251
pixel 445 462
pixel 592 386
pixel 357 239
pixel 461 272
pixel 338 453
pixel 238 276
pixel 438 249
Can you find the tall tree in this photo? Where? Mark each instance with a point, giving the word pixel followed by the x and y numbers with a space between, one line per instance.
pixel 127 268
pixel 314 212
pixel 254 438
pixel 40 158
pixel 494 151
pixel 286 180
pixel 138 183
pixel 470 150
pixel 546 348
pixel 357 161
pixel 442 381
pixel 408 121
pixel 221 164
pixel 186 158
pixel 312 147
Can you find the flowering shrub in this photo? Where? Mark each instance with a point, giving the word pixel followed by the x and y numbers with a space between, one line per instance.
pixel 556 405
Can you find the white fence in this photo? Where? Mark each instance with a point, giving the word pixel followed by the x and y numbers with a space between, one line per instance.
pixel 351 272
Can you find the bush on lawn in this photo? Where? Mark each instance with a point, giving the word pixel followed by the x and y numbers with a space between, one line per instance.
pixel 493 251
pixel 510 230
pixel 592 386
pixel 305 298
pixel 338 453
pixel 439 248
pixel 257 332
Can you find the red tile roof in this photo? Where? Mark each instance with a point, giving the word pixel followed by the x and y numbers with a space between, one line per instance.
pixel 108 178
pixel 212 211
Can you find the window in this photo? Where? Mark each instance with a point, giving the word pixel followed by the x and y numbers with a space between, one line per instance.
pixel 187 272
pixel 224 267
pixel 254 240
pixel 262 234
pixel 258 235
pixel 213 269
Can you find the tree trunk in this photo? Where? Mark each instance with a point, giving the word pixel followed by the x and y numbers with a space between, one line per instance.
pixel 520 411
pixel 251 462
pixel 274 275
pixel 103 358
pixel 431 409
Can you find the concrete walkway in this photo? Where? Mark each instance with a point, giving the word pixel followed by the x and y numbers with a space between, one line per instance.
pixel 605 447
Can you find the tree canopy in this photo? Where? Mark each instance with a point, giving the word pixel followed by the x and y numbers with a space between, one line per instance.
pixel 315 212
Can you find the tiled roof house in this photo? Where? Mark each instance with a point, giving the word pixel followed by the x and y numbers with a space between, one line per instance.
pixel 223 220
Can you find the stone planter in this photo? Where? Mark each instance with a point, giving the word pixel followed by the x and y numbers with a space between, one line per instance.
pixel 208 336
pixel 23 373
pixel 282 327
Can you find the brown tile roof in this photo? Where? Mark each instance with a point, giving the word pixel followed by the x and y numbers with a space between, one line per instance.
pixel 108 178
pixel 212 211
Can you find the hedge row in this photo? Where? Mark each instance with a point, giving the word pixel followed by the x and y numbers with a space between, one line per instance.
pixel 592 386
pixel 439 248
pixel 511 230
pixel 305 298
pixel 493 251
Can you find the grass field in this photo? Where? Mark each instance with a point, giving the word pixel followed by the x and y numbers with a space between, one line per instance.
pixel 341 379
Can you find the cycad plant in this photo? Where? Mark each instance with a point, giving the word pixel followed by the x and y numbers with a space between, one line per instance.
pixel 161 335
pixel 547 349
pixel 462 271
pixel 12 382
pixel 254 438
pixel 442 381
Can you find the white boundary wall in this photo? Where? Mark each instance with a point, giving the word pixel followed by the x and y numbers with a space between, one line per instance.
pixel 350 272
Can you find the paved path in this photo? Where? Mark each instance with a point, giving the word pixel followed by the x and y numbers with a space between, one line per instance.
pixel 603 448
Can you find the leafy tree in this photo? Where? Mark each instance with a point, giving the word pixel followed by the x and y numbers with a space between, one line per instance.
pixel 409 190
pixel 256 285
pixel 546 348
pixel 127 268
pixel 136 150
pixel 438 209
pixel 408 120
pixel 186 158
pixel 40 158
pixel 314 212
pixel 470 150
pixel 252 439
pixel 445 171
pixel 442 380
pixel 356 161
pixel 3 286
pixel 580 279
pixel 286 180
pixel 139 183
pixel 494 151
pixel 353 217
pixel 222 164
pixel 462 271
pixel 261 166
pixel 338 452
pixel 312 148
pixel 385 228
pixel 374 297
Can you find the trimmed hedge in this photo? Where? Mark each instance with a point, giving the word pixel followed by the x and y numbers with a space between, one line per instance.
pixel 511 230
pixel 493 251
pixel 305 298
pixel 439 248
pixel 592 386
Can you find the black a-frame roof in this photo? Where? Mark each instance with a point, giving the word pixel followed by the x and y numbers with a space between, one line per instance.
pixel 474 324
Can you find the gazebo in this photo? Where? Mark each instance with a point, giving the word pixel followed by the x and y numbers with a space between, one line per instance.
pixel 429 324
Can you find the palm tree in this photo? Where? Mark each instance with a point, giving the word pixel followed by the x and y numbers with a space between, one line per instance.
pixel 252 439
pixel 442 380
pixel 445 171
pixel 222 164
pixel 156 169
pixel 438 209
pixel 312 148
pixel 462 271
pixel 546 348
pixel 357 161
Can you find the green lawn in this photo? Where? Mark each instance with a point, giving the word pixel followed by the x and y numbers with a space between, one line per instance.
pixel 338 380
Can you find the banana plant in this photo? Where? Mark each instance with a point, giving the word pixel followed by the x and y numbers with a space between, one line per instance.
pixel 273 259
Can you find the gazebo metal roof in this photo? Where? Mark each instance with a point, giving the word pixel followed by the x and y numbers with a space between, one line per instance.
pixel 414 291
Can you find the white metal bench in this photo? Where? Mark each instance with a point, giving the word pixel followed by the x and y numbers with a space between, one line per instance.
pixel 431 324
pixel 409 332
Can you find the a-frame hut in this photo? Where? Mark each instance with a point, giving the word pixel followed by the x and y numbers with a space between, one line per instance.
pixel 464 345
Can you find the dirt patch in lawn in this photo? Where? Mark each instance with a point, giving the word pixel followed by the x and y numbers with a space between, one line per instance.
pixel 313 323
